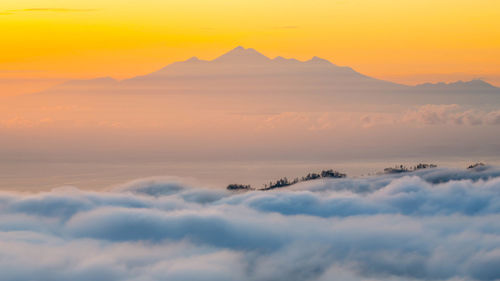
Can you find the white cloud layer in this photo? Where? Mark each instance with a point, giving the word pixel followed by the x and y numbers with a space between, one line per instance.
pixel 436 224
pixel 432 114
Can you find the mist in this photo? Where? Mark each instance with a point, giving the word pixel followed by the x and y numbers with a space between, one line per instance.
pixel 431 224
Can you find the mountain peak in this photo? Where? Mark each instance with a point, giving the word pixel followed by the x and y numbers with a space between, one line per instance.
pixel 474 82
pixel 318 60
pixel 193 59
pixel 281 59
pixel 242 55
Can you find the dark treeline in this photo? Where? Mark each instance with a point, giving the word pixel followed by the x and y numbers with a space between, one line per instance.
pixel 403 169
pixel 311 176
pixel 476 166
pixel 286 182
pixel 283 182
pixel 279 183
pixel 235 186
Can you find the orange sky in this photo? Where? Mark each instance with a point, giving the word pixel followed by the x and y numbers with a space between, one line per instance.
pixel 47 41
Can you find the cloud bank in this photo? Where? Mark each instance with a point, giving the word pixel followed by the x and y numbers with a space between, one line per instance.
pixel 55 10
pixel 436 224
pixel 432 114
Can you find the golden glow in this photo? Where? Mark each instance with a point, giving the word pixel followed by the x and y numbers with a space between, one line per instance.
pixel 396 40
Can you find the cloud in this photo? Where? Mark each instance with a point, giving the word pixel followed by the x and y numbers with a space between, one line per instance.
pixel 450 114
pixel 421 116
pixel 55 10
pixel 435 224
pixel 22 70
pixel 433 114
pixel 19 122
pixel 493 117
pixel 288 27
pixel 310 121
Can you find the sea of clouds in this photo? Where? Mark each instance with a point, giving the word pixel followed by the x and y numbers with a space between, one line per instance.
pixel 434 224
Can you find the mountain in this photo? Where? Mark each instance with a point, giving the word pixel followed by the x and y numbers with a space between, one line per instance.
pixel 460 86
pixel 248 63
pixel 246 106
pixel 246 73
pixel 242 56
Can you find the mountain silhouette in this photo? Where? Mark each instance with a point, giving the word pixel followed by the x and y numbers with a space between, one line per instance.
pixel 242 55
pixel 245 71
pixel 474 85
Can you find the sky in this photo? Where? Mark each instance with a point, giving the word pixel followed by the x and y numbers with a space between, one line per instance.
pixel 127 180
pixel 46 42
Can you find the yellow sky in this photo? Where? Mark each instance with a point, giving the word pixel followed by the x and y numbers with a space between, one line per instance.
pixel 410 41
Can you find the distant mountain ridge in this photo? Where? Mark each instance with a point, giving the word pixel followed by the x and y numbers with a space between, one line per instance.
pixel 247 71
pixel 475 83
